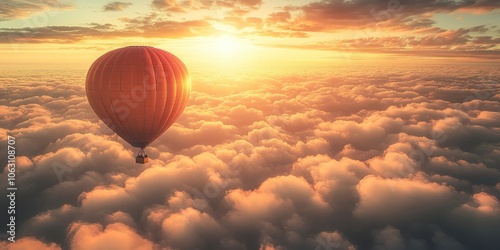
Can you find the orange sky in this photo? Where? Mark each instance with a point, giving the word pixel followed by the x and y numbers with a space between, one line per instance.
pixel 74 33
pixel 327 124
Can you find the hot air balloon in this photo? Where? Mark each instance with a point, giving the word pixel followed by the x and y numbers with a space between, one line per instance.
pixel 138 92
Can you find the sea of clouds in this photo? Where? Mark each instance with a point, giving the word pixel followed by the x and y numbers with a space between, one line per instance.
pixel 340 158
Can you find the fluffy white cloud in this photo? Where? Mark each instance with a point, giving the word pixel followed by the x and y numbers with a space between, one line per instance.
pixel 113 236
pixel 362 160
pixel 29 243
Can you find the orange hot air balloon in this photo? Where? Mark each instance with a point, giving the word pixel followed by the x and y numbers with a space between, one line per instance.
pixel 138 92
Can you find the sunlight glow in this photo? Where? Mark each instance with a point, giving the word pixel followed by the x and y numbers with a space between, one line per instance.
pixel 227 45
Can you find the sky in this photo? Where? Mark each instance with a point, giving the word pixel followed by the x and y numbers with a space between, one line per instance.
pixel 250 31
pixel 317 125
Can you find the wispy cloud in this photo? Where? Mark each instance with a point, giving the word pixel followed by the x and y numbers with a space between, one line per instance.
pixel 116 6
pixel 182 6
pixel 13 9
pixel 150 26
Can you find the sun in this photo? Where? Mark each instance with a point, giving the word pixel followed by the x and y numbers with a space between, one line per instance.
pixel 227 45
pixel 222 50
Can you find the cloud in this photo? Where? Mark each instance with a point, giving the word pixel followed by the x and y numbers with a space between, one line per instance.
pixel 330 240
pixel 370 24
pixel 335 15
pixel 191 228
pixel 116 6
pixel 388 238
pixel 148 26
pixel 19 8
pixel 486 203
pixel 480 214
pixel 29 243
pixel 400 199
pixel 182 6
pixel 462 42
pixel 373 158
pixel 113 236
pixel 475 173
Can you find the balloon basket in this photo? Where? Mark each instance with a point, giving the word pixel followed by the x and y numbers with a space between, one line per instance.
pixel 141 160
pixel 142 157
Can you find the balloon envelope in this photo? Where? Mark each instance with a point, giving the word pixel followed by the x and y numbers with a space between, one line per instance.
pixel 138 92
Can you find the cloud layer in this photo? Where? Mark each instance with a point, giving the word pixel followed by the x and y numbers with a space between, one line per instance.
pixel 359 158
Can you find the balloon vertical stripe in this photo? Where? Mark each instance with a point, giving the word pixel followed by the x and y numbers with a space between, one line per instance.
pixel 138 92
